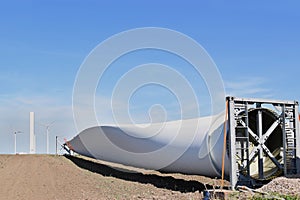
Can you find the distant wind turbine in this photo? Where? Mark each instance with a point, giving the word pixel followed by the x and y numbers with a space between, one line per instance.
pixel 15 132
pixel 47 126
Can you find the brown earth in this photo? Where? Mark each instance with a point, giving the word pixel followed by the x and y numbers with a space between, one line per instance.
pixel 68 177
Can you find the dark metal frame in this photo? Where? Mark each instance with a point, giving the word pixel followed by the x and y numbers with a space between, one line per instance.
pixel 239 133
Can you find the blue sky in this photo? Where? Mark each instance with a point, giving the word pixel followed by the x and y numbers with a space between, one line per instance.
pixel 254 44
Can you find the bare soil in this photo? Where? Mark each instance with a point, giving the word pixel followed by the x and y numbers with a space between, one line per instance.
pixel 68 177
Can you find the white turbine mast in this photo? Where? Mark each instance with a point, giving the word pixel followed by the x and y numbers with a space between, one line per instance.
pixel 47 126
pixel 32 147
pixel 15 133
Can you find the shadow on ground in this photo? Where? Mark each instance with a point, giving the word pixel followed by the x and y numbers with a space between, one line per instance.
pixel 166 182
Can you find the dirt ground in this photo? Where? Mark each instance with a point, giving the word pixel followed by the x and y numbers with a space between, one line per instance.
pixel 67 177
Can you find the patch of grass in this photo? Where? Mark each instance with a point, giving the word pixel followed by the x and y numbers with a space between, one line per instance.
pixel 290 197
pixel 234 195
pixel 275 196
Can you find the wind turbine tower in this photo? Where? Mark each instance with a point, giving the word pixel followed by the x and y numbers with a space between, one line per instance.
pixel 32 134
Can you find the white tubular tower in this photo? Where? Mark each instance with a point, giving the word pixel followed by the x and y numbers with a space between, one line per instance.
pixel 32 134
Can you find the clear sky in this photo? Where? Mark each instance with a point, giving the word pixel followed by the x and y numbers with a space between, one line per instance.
pixel 255 45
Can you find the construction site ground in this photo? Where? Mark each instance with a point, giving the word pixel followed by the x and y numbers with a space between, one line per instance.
pixel 77 177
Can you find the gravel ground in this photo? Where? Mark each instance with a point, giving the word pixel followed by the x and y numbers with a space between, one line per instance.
pixel 59 177
pixel 282 185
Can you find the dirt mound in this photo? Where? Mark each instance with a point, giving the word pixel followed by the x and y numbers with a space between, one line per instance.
pixel 68 177
pixel 282 185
